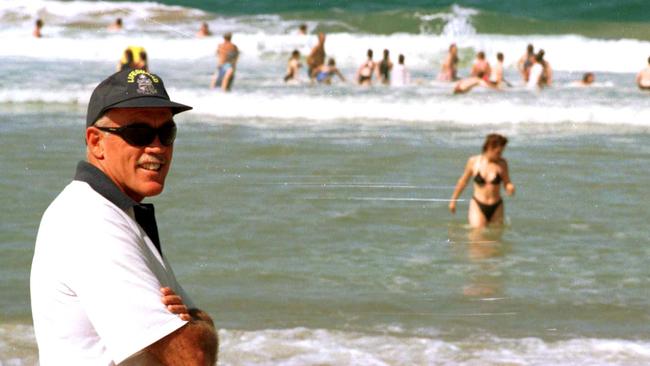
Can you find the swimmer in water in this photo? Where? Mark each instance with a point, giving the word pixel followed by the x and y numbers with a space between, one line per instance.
pixel 643 78
pixel 587 80
pixel 116 26
pixel 292 67
pixel 497 73
pixel 325 73
pixel 481 66
pixel 38 25
pixel 227 56
pixel 489 171
pixel 467 84
pixel 526 62
pixel 366 70
pixel 400 76
pixel 547 74
pixel 316 57
pixel 449 66
pixel 541 74
pixel 385 67
pixel 204 31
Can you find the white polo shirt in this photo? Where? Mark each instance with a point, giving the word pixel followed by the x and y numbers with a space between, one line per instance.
pixel 96 278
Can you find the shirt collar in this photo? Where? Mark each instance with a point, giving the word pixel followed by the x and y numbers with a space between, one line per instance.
pixel 103 185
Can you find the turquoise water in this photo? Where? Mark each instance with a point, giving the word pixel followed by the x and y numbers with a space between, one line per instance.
pixel 311 222
pixel 601 18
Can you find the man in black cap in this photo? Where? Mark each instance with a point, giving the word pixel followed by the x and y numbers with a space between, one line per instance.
pixel 102 291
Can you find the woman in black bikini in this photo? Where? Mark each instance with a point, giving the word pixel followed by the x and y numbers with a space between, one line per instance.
pixel 489 170
pixel 366 70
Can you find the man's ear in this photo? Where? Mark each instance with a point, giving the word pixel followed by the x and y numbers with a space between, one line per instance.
pixel 95 142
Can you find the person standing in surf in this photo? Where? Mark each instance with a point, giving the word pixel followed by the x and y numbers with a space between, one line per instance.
pixel 540 74
pixel 227 56
pixel 481 65
pixel 449 66
pixel 489 170
pixel 366 70
pixel 292 67
pixel 385 68
pixel 38 25
pixel 316 57
pixel 526 62
pixel 401 76
pixel 496 78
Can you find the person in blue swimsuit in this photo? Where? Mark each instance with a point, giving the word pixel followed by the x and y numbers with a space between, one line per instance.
pixel 325 73
pixel 227 56
pixel 489 171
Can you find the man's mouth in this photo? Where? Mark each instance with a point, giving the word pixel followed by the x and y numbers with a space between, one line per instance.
pixel 150 166
pixel 152 163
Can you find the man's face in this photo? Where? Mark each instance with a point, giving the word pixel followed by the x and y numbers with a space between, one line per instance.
pixel 139 171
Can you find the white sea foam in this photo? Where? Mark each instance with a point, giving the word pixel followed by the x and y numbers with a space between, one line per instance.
pixel 421 51
pixel 264 109
pixel 426 110
pixel 303 346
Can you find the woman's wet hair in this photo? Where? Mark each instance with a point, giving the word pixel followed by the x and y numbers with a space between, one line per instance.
pixel 369 53
pixel 295 53
pixel 331 62
pixel 494 140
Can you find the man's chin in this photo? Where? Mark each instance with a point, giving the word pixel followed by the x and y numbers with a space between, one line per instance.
pixel 152 189
pixel 144 190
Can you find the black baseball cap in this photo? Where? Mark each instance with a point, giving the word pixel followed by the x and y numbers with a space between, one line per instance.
pixel 130 88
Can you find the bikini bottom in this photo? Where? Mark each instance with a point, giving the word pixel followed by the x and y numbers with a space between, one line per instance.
pixel 488 210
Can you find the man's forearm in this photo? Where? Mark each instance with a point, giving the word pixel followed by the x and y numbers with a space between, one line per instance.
pixel 200 315
pixel 196 343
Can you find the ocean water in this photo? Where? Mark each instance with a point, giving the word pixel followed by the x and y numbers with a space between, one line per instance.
pixel 311 221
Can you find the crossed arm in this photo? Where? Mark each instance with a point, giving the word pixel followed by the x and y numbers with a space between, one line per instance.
pixel 194 344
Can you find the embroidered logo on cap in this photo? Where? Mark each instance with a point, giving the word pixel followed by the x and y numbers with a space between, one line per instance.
pixel 145 85
pixel 144 80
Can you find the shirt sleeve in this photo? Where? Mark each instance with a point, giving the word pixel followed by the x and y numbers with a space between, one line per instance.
pixel 117 281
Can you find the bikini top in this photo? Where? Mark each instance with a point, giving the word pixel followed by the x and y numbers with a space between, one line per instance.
pixel 478 178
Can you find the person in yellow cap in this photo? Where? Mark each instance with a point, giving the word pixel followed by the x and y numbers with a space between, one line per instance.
pixel 134 57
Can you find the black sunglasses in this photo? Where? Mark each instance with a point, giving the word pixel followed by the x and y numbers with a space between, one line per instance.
pixel 141 134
